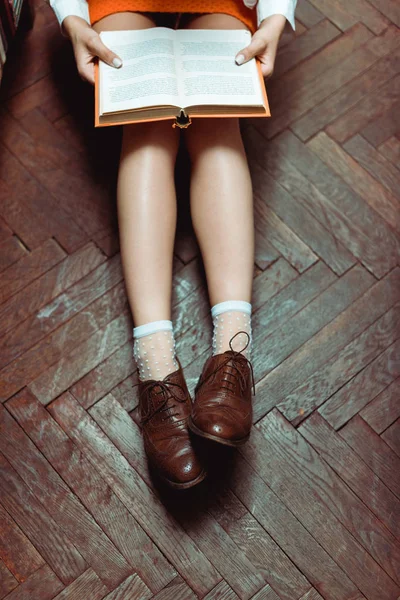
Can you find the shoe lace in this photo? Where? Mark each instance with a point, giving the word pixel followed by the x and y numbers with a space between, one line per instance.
pixel 165 389
pixel 230 378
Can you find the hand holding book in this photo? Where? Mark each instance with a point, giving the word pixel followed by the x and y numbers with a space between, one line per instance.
pixel 88 47
pixel 264 44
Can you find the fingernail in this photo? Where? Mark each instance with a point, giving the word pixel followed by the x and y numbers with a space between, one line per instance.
pixel 117 62
pixel 240 59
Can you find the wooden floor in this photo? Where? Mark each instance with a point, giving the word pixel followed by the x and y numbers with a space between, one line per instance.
pixel 310 507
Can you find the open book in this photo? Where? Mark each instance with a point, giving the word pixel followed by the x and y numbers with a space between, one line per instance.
pixel 178 74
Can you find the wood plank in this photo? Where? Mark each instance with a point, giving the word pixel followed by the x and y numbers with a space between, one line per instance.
pixel 296 341
pixel 267 593
pixel 7 580
pixel 101 380
pixel 312 595
pixel 176 590
pixel 392 437
pixel 377 165
pixel 86 587
pixel 267 556
pixel 41 291
pixel 205 531
pixel 43 584
pixel 130 589
pixel 297 202
pixel 132 491
pixel 11 250
pixel 384 409
pixel 291 535
pixel 367 14
pixel 389 8
pixel 123 393
pixel 24 201
pixel 365 111
pixel 222 592
pixel 374 452
pixel 17 552
pixel 308 14
pixel 84 199
pixel 63 506
pixel 33 518
pixel 5 230
pixel 356 394
pixel 336 12
pixel 63 340
pixel 285 240
pixel 302 479
pixel 265 253
pixel 358 476
pixel 359 173
pixel 92 490
pixel 278 325
pixel 305 45
pixel 383 127
pixel 344 14
pixel 63 308
pixel 337 371
pixel 316 65
pixel 82 359
pixel 29 268
pixel 336 80
pixel 391 150
pixel 361 229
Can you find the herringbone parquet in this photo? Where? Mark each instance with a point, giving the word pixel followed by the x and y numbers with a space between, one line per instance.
pixel 310 508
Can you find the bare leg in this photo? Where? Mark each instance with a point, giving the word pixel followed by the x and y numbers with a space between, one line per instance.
pixel 221 195
pixel 146 203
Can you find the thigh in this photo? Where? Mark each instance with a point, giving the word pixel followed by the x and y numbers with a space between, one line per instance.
pixel 124 20
pixel 212 21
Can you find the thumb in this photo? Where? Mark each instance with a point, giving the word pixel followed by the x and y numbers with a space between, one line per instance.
pixel 97 48
pixel 255 48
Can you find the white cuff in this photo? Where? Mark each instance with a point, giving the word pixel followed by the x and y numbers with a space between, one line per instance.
pixel 266 8
pixel 68 8
pixel 152 327
pixel 222 307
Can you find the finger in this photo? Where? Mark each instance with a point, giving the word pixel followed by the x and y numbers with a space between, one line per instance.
pixel 267 67
pixel 256 47
pixel 86 71
pixel 250 3
pixel 97 48
pixel 268 60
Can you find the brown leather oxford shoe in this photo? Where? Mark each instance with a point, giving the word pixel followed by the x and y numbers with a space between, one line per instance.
pixel 222 409
pixel 164 408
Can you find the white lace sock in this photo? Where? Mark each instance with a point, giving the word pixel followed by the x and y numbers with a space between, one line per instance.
pixel 229 318
pixel 154 350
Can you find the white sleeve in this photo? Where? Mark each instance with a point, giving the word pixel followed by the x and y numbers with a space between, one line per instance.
pixel 266 8
pixel 67 8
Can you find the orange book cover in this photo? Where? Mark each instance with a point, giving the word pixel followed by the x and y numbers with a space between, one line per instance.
pixel 97 122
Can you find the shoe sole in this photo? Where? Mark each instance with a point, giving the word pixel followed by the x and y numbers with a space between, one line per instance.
pixel 187 484
pixel 215 438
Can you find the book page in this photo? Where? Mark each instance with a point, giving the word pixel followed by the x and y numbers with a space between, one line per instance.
pixel 148 76
pixel 208 72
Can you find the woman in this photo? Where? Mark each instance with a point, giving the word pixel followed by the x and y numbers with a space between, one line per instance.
pixel 222 215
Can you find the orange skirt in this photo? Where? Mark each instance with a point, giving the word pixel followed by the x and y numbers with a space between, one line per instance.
pixel 236 8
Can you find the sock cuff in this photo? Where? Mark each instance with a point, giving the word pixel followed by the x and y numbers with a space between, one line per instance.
pixel 153 327
pixel 222 307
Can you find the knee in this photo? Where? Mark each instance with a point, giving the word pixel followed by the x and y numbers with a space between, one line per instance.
pixel 208 134
pixel 157 134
